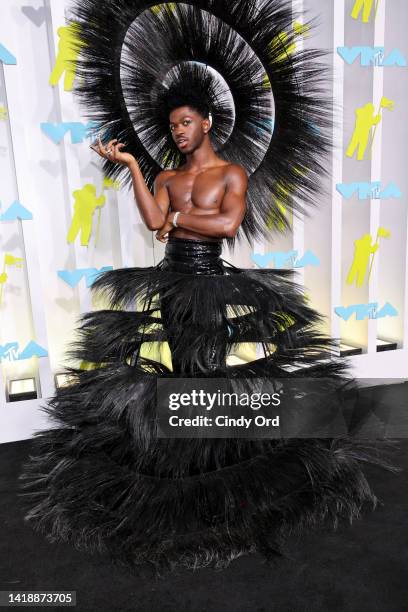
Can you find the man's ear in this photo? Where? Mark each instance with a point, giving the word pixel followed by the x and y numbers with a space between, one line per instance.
pixel 206 125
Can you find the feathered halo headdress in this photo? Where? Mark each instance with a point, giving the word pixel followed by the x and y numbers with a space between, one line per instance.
pixel 269 105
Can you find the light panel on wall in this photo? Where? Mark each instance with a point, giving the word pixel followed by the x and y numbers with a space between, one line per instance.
pixel 62 380
pixel 386 345
pixel 21 389
pixel 346 350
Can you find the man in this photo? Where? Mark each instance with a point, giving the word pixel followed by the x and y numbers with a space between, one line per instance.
pixel 203 199
pixel 207 192
pixel 104 479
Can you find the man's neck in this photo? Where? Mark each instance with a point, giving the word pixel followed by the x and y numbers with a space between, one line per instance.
pixel 201 158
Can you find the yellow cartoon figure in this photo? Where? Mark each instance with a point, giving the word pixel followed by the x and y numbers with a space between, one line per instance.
pixel 109 183
pixel 275 220
pixel 381 233
pixel 363 248
pixel 3 113
pixel 85 205
pixel 301 29
pixel 365 120
pixel 68 49
pixel 365 6
pixel 9 260
pixel 281 41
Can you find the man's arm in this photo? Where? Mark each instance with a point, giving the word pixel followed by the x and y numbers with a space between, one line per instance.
pixel 153 209
pixel 224 224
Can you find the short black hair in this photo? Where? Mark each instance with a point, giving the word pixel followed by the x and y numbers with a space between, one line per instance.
pixel 173 101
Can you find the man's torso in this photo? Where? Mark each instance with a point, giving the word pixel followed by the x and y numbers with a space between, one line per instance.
pixel 197 194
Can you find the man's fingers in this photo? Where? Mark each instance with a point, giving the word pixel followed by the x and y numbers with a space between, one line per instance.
pixel 161 237
pixel 102 149
pixel 105 148
pixel 96 148
pixel 116 150
pixel 107 151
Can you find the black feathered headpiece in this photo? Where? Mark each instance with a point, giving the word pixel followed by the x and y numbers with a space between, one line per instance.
pixel 269 101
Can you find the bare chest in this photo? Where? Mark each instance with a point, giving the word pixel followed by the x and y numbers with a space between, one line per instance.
pixel 205 190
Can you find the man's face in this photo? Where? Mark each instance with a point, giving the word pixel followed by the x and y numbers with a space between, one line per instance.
pixel 187 128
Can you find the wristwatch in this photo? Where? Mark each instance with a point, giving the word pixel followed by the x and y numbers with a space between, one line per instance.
pixel 174 222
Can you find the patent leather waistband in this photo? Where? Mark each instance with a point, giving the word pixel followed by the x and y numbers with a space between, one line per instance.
pixel 197 256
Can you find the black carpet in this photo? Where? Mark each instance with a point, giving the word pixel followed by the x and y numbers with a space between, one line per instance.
pixel 360 567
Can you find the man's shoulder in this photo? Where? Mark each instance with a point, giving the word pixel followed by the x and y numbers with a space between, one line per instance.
pixel 236 172
pixel 164 175
pixel 235 169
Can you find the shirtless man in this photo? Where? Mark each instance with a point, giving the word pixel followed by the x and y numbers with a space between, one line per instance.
pixel 209 192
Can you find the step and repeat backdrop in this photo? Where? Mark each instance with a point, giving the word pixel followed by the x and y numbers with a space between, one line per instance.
pixel 62 222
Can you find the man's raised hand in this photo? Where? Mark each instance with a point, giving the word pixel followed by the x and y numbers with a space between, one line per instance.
pixel 112 151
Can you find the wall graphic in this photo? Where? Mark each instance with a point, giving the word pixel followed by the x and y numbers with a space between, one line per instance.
pixel 62 222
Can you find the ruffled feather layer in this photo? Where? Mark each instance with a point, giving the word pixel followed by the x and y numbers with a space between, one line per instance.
pixel 103 480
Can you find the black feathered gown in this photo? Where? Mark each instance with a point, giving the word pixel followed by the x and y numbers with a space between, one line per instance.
pixel 102 479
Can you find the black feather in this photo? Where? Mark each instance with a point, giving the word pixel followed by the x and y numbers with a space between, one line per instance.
pixel 103 480
pixel 130 53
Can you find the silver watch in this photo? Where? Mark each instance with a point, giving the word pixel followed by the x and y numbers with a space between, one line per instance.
pixel 174 222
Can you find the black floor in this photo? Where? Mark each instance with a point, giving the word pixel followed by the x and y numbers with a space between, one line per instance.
pixel 361 567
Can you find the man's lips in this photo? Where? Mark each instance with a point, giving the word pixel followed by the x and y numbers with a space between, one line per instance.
pixel 182 142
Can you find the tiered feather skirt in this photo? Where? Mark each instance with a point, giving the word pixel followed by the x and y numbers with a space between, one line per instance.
pixel 102 479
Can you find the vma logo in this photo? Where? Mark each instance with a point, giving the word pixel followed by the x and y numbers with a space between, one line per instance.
pixel 15 211
pixel 10 351
pixel 372 56
pixel 73 277
pixel 363 311
pixel 79 131
pixel 6 57
pixel 283 258
pixel 372 191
